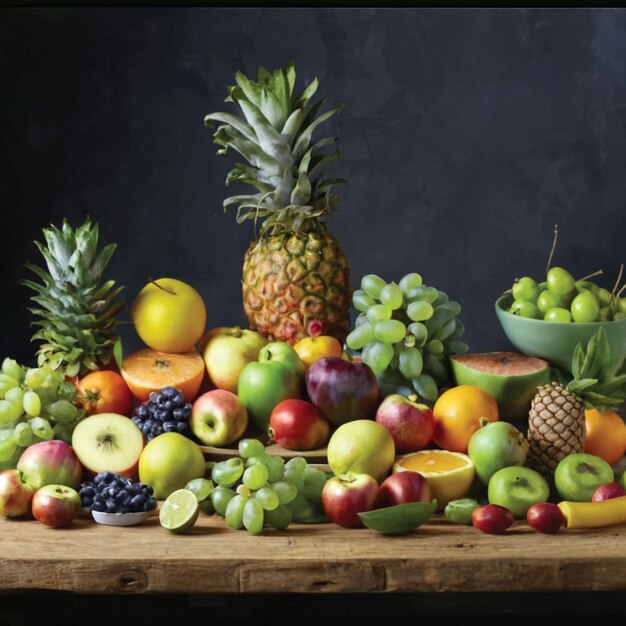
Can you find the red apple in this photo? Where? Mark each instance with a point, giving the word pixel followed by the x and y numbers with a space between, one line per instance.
pixel 218 418
pixel 545 517
pixel 51 462
pixel 298 425
pixel 343 499
pixel 608 491
pixel 16 494
pixel 411 425
pixel 56 505
pixel 402 488
pixel 342 390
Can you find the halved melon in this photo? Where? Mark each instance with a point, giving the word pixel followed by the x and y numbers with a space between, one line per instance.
pixel 511 378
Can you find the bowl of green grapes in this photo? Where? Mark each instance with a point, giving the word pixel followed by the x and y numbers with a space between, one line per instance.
pixel 547 319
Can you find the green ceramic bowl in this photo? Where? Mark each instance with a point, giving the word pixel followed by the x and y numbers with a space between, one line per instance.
pixel 555 341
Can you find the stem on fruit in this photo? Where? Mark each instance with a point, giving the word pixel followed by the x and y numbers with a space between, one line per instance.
pixel 170 291
pixel 596 273
pixel 556 236
pixel 617 282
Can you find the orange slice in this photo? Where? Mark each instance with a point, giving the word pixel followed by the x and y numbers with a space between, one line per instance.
pixel 148 370
pixel 449 474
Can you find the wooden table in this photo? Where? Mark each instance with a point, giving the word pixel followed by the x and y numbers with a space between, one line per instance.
pixel 89 558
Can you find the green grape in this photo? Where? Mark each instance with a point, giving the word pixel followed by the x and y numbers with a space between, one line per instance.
pixel 9 412
pixel 200 487
pixel 23 434
pixel 227 473
pixel 275 469
pixel 285 491
pixel 242 490
pixel 558 314
pixel 259 459
pixel 456 347
pixel 372 285
pixel 458 331
pixel 255 476
pixel 392 296
pixel 62 411
pixel 8 444
pixel 425 387
pixel 526 289
pixel 560 281
pixel 234 512
pixel 279 518
pixel 378 356
pixel 390 331
pixel 446 330
pixel 621 305
pixel 41 428
pixel 361 319
pixel 360 336
pixel 220 497
pixel 410 281
pixel 35 377
pixel 435 367
pixel 297 462
pixel 66 390
pixel 11 368
pixel 410 363
pixel 620 315
pixel 250 447
pixel 362 301
pixel 6 385
pixel 31 403
pixel 585 307
pixel 419 311
pixel 294 476
pixel 434 347
pixel 314 484
pixel 52 381
pixel 420 332
pixel 267 498
pixel 16 396
pixel 378 313
pixel 440 316
pixel 442 298
pixel 63 432
pixel 9 381
pixel 253 517
pixel 423 294
pixel 548 300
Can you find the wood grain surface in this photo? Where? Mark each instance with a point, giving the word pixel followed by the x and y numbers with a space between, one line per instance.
pixel 89 558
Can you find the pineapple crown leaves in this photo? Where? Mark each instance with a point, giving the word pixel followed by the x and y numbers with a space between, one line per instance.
pixel 598 380
pixel 274 137
pixel 76 312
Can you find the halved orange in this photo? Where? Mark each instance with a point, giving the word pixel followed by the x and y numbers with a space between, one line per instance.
pixel 449 474
pixel 148 370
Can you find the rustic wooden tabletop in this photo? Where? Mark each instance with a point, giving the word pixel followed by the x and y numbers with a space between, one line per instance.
pixel 90 558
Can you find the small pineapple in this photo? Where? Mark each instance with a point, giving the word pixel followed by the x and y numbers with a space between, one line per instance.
pixel 556 423
pixel 76 310
pixel 295 279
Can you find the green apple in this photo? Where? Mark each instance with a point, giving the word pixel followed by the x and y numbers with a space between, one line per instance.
pixel 263 385
pixel 517 489
pixel 622 480
pixel 284 353
pixel 169 462
pixel 361 447
pixel 227 351
pixel 577 476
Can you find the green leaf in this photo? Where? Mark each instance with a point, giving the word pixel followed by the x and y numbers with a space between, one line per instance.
pixel 618 383
pixel 302 191
pixel 251 90
pixel 597 350
pixel 580 385
pixel 302 144
pixel 578 360
pixel 238 124
pixel 118 352
pixel 303 98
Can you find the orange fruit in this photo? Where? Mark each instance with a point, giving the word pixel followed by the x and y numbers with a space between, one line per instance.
pixel 148 370
pixel 311 349
pixel 457 416
pixel 104 391
pixel 605 435
pixel 449 474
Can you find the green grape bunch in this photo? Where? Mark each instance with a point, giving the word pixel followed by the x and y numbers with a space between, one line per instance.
pixel 36 404
pixel 257 490
pixel 406 332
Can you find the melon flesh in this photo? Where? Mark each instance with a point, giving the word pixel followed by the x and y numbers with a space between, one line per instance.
pixel 510 377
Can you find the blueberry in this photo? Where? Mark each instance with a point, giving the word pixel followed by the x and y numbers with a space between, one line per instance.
pixel 169 392
pixel 142 412
pixel 103 477
pixel 179 414
pixel 148 504
pixel 161 415
pixel 124 509
pixel 111 505
pixel 182 427
pixel 99 498
pixel 170 426
pixel 99 506
pixel 87 491
pixel 187 411
pixel 86 502
pixel 136 503
pixel 120 496
pixel 179 399
pixel 153 396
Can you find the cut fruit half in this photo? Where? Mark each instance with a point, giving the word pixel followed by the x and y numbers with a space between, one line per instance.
pixel 398 519
pixel 510 377
pixel 148 370
pixel 180 511
pixel 449 474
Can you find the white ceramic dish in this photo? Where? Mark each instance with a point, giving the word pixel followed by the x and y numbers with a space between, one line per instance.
pixel 121 519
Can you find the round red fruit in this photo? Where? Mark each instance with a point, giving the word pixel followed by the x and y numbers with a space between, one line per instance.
pixel 402 488
pixel 298 425
pixel 492 518
pixel 104 391
pixel 545 517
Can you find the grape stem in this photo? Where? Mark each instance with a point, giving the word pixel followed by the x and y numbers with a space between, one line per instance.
pixel 596 273
pixel 556 236
pixel 615 294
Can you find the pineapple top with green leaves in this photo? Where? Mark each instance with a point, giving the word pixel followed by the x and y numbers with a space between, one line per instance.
pixel 76 310
pixel 275 139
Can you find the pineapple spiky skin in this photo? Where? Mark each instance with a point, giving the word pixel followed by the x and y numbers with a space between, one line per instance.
pixel 297 284
pixel 76 310
pixel 556 427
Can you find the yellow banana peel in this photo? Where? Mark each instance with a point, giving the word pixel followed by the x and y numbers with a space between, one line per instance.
pixel 594 514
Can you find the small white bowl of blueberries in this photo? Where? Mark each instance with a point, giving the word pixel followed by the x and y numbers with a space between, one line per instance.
pixel 116 500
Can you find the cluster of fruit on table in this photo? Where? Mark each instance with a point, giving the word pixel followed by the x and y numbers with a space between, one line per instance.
pixel 410 422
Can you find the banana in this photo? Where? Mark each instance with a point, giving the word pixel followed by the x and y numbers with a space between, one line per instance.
pixel 594 514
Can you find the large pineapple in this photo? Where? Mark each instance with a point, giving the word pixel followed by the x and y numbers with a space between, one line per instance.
pixel 556 423
pixel 296 279
pixel 76 310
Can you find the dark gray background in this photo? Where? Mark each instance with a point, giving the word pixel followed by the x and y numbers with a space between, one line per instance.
pixel 467 135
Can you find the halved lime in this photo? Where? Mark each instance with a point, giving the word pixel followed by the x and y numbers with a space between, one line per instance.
pixel 398 519
pixel 180 511
pixel 202 487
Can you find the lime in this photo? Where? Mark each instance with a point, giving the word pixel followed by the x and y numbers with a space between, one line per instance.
pixel 201 487
pixel 398 519
pixel 180 511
